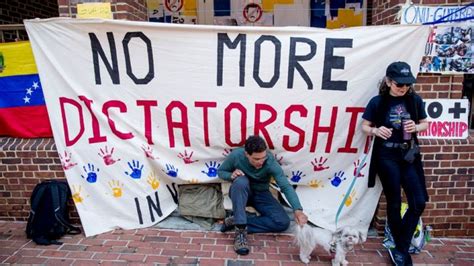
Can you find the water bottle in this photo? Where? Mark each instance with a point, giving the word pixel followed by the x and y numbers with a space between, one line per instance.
pixel 428 230
pixel 405 117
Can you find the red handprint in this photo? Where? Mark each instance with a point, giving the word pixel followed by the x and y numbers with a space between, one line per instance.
pixel 356 166
pixel 226 152
pixel 149 152
pixel 319 165
pixel 107 156
pixel 279 160
pixel 66 161
pixel 187 158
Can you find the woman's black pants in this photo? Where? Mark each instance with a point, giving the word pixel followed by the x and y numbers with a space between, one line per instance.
pixel 395 173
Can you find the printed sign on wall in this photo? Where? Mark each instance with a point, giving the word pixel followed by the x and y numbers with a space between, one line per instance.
pixel 448 119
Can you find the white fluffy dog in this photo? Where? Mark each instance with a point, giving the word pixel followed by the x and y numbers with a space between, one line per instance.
pixel 340 242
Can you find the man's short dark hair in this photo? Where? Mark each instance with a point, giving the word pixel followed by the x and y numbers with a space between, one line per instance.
pixel 255 144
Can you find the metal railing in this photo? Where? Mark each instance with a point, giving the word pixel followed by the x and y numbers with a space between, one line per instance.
pixel 13 29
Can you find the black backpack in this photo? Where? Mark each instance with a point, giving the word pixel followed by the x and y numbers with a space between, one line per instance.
pixel 49 220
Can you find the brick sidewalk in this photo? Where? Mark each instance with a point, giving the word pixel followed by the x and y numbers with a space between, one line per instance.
pixel 173 247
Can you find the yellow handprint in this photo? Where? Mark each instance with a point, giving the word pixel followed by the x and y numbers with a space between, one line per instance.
pixel 76 194
pixel 116 187
pixel 349 199
pixel 153 181
pixel 315 183
pixel 193 181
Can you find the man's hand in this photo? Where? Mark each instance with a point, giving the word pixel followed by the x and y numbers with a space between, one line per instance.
pixel 236 173
pixel 300 217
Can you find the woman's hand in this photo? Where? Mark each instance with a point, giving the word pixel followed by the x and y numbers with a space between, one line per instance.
pixel 382 132
pixel 409 126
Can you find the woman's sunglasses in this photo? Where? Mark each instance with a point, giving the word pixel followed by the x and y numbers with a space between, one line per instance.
pixel 401 85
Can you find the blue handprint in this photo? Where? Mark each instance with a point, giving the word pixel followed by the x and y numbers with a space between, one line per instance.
pixel 170 170
pixel 136 171
pixel 211 169
pixel 296 176
pixel 338 178
pixel 91 174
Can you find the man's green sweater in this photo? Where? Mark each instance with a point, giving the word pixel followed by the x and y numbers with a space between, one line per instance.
pixel 259 178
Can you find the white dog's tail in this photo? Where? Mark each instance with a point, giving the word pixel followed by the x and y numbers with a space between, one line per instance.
pixel 303 236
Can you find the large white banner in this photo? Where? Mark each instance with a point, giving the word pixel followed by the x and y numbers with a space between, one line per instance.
pixel 138 108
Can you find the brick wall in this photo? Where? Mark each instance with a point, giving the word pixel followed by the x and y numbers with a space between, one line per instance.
pixel 121 9
pixel 15 11
pixel 23 164
pixel 448 164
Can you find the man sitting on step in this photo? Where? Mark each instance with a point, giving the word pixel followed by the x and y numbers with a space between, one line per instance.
pixel 250 170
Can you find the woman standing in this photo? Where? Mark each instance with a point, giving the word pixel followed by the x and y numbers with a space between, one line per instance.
pixel 393 117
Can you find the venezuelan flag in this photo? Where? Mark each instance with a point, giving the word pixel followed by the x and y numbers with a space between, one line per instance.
pixel 22 107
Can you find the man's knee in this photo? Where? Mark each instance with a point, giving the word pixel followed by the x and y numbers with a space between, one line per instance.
pixel 282 223
pixel 240 183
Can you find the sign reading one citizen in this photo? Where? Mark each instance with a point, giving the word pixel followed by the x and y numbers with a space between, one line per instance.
pixel 416 14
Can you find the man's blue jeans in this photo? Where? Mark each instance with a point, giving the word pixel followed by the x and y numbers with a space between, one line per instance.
pixel 395 173
pixel 273 217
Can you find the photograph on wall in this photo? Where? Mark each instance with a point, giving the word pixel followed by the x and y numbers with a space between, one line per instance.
pixel 449 49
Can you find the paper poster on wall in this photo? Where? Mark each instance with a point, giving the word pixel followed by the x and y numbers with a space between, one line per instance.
pixel 294 15
pixel 172 11
pixel 94 10
pixel 338 14
pixel 449 49
pixel 251 13
pixel 447 119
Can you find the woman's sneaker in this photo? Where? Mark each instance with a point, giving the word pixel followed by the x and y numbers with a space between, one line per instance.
pixel 397 257
pixel 408 260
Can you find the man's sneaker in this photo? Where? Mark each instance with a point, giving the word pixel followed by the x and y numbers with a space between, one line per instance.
pixel 228 224
pixel 396 256
pixel 241 245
